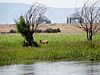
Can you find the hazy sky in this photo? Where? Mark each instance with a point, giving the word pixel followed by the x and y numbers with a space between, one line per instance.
pixel 51 3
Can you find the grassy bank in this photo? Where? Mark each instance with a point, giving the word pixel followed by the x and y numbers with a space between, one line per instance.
pixel 60 47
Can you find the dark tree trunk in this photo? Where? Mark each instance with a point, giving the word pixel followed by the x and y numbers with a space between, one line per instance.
pixel 30 40
pixel 90 31
pixel 89 35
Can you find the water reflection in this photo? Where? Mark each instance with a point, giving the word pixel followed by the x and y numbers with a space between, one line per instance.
pixel 53 68
pixel 93 68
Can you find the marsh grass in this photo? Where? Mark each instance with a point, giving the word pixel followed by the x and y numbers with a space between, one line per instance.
pixel 70 47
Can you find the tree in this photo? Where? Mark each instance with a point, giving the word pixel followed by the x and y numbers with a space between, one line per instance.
pixel 28 24
pixel 90 13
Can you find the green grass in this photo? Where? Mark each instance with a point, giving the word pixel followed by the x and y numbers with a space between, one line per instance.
pixel 71 47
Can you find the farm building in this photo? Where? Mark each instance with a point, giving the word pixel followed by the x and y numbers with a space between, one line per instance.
pixel 74 18
pixel 44 19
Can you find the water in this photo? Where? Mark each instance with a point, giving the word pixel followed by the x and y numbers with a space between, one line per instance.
pixel 52 68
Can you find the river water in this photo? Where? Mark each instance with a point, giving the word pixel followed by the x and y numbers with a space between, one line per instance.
pixel 52 68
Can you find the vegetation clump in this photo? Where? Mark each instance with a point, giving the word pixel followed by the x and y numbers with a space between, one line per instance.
pixel 27 25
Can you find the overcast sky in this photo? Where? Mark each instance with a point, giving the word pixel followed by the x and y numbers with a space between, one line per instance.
pixel 51 3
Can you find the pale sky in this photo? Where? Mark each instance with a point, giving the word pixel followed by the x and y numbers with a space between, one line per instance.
pixel 52 3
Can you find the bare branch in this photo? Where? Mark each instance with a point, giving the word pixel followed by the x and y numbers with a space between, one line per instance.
pixel 91 15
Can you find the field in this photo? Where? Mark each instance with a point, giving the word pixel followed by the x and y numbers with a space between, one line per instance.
pixel 65 28
pixel 61 46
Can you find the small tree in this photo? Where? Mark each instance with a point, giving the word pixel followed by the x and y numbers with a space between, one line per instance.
pixel 28 24
pixel 91 16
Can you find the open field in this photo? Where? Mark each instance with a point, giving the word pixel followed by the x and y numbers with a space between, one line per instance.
pixel 61 46
pixel 65 28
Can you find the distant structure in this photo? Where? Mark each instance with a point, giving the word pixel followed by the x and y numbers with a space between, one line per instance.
pixel 74 18
pixel 44 19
